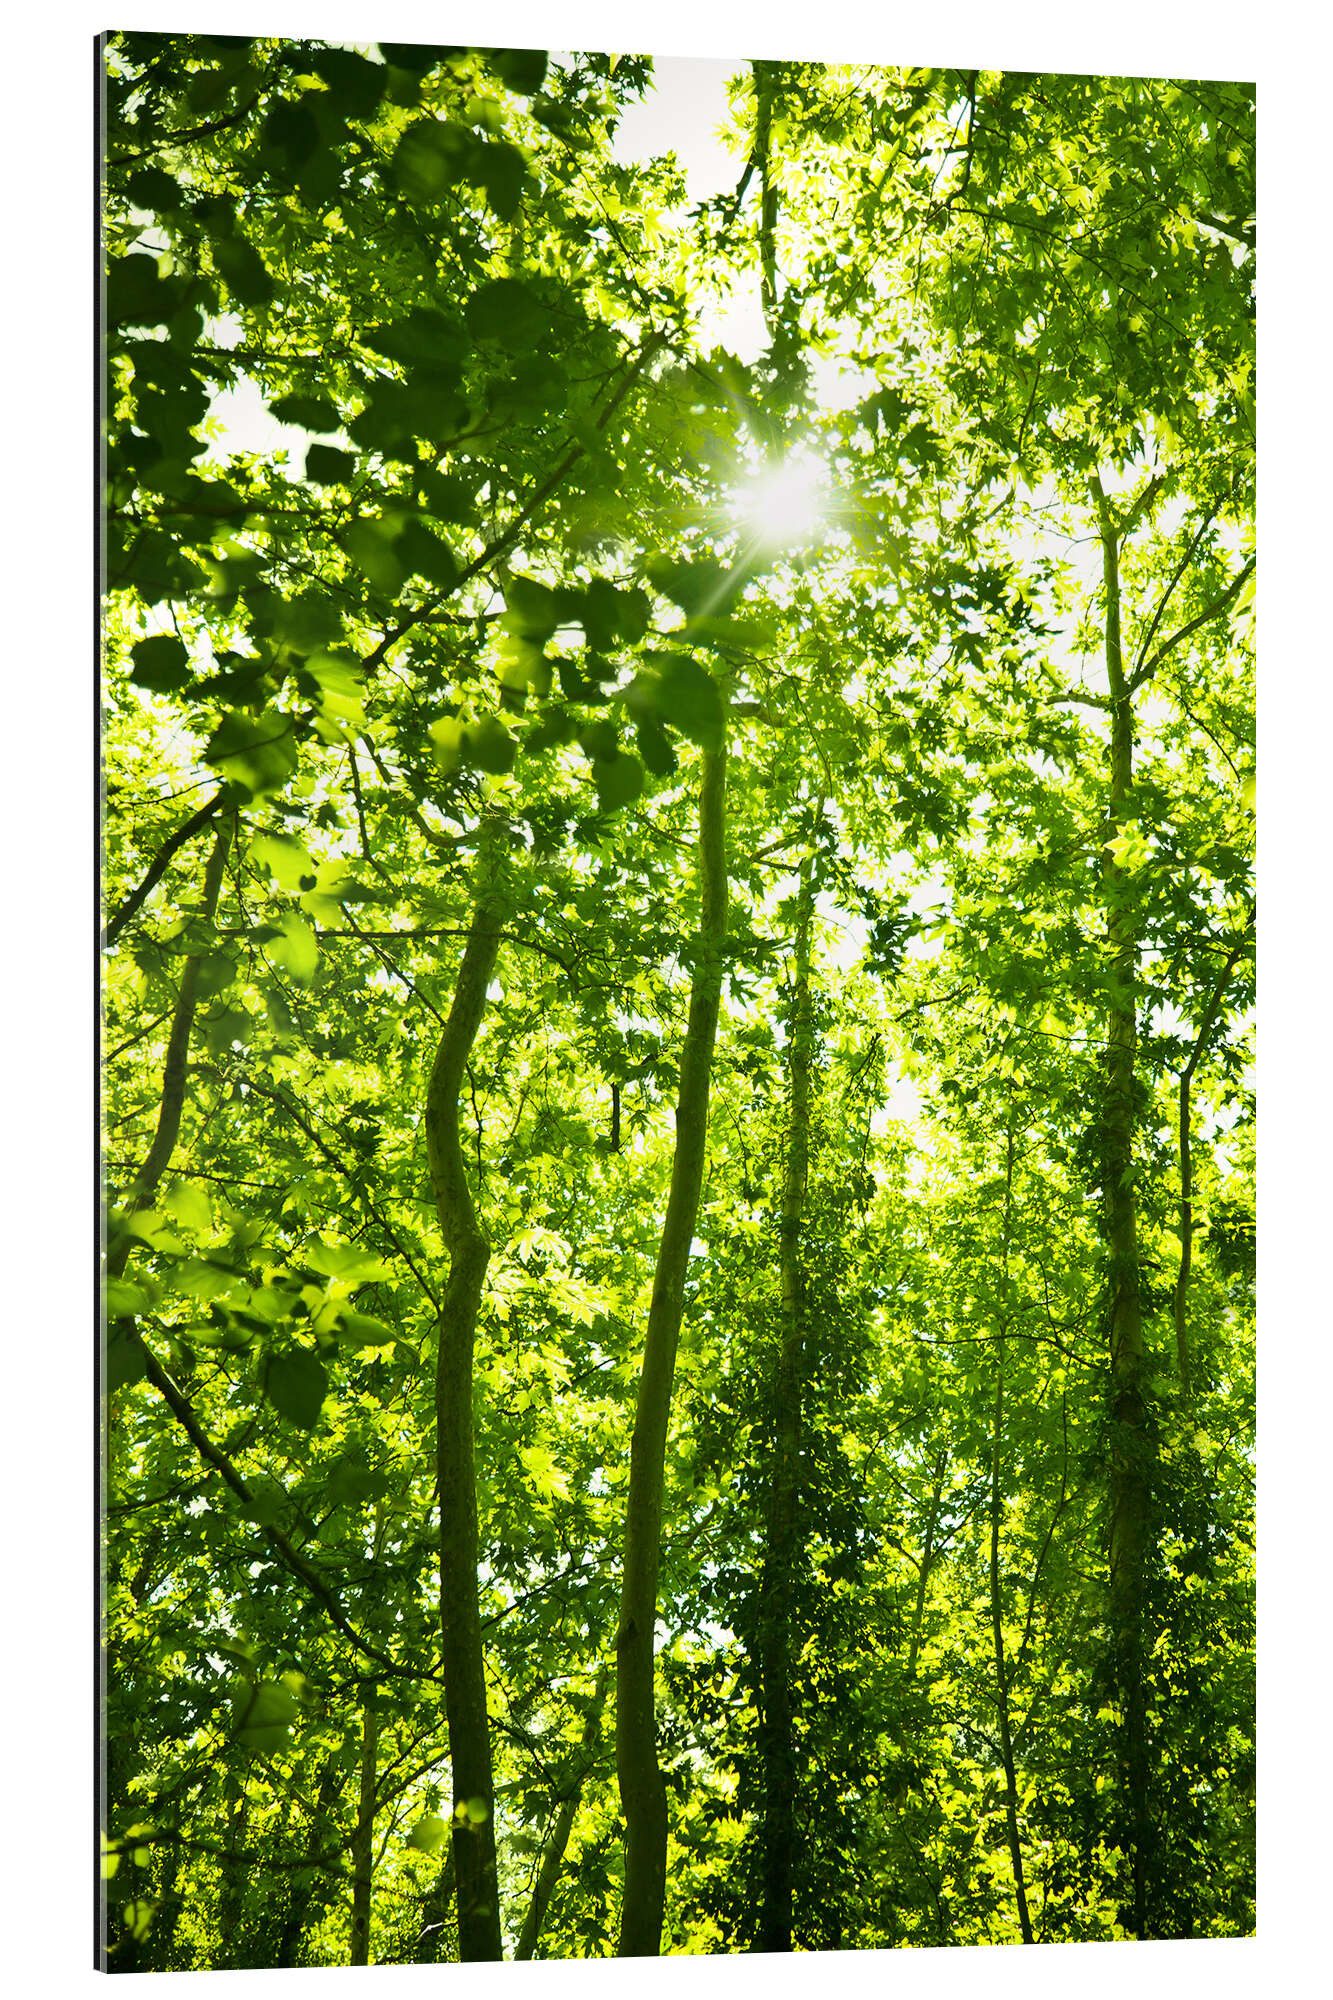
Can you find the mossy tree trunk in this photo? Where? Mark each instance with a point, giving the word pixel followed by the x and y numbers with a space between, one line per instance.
pixel 363 1838
pixel 642 1792
pixel 1131 1430
pixel 777 1732
pixel 469 1256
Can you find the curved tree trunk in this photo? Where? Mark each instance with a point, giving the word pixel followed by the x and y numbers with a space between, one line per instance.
pixel 363 1838
pixel 1132 1447
pixel 432 1945
pixel 642 1793
pixel 306 1899
pixel 996 1604
pixel 469 1255
pixel 777 1735
pixel 553 1856
pixel 1180 1298
pixel 175 1069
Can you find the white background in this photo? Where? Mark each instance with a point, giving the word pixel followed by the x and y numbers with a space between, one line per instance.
pixel 48 843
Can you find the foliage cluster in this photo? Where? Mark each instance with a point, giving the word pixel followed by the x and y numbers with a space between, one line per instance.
pixel 677 1123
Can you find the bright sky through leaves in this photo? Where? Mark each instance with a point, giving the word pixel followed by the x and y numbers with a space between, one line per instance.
pixel 784 504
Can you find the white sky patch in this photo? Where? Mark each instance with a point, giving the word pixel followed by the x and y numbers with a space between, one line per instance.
pixel 683 112
pixel 245 423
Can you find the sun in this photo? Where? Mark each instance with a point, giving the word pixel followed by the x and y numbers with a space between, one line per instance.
pixel 784 504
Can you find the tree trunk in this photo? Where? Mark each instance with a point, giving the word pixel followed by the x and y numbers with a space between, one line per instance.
pixel 765 89
pixel 553 1857
pixel 777 1726
pixel 176 1066
pixel 469 1255
pixel 1132 1444
pixel 927 1561
pixel 430 1948
pixel 363 1839
pixel 231 1890
pixel 642 1793
pixel 996 1605
pixel 300 1893
pixel 1180 1299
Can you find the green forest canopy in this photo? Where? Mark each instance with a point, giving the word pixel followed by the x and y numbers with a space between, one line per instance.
pixel 676 1059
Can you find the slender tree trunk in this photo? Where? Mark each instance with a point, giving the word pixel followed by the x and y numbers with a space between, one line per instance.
pixel 927 1561
pixel 765 85
pixel 231 1891
pixel 432 1938
pixel 299 1895
pixel 469 1254
pixel 1180 1299
pixel 553 1857
pixel 176 1067
pixel 166 1919
pixel 1132 1447
pixel 777 1589
pixel 642 1792
pixel 996 1604
pixel 363 1838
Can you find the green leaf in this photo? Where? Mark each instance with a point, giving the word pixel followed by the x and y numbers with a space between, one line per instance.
pixel 137 296
pixel 503 172
pixel 655 747
pixel 678 690
pixel 507 312
pixel 263 1713
pixel 125 1360
pixel 285 858
pixel 423 335
pixel 417 59
pixel 490 746
pixel 425 554
pixel 295 948
pixel 161 663
pixel 312 413
pixel 296 1385
pixel 268 1500
pixel 700 587
pixel 355 84
pixel 352 1482
pixel 256 752
pixel 370 544
pixel 123 1299
pixel 137 1916
pixel 248 278
pixel 291 129
pixel 483 743
pixel 429 1834
pixel 430 158
pixel 532 608
pixel 155 189
pixel 520 70
pixel 618 779
pixel 325 465
pixel 549 1482
pixel 190 1206
pixel 349 1261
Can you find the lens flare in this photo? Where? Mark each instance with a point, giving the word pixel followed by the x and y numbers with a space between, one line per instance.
pixel 784 504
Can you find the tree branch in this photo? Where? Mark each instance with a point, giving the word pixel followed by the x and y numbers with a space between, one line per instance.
pixel 290 1557
pixel 1209 612
pixel 158 867
pixel 504 541
pixel 1176 575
